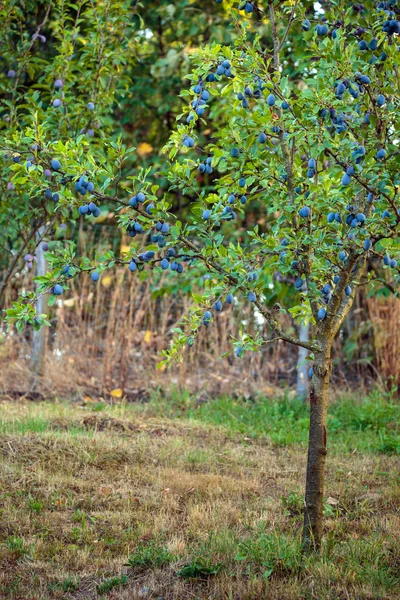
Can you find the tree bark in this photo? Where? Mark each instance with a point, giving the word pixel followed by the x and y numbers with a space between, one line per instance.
pixel 314 495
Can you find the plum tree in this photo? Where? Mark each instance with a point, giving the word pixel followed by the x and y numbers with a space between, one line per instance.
pixel 325 174
pixel 351 177
pixel 62 73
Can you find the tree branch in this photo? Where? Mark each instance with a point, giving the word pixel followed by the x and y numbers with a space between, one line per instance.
pixel 288 25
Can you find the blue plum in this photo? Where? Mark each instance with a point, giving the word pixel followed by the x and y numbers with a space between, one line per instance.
pixel 346 179
pixel 207 318
pixel 150 208
pixel 298 283
pixel 262 138
pixel 367 244
pixel 305 212
pixel 322 30
pixel 331 217
pixel 55 164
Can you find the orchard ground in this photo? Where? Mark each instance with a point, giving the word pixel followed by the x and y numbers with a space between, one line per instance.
pixel 172 500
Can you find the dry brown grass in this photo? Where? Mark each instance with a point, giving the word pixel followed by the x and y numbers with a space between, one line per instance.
pixel 111 335
pixel 83 491
pixel 385 320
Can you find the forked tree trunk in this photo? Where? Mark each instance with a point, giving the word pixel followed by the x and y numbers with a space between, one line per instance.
pixel 313 503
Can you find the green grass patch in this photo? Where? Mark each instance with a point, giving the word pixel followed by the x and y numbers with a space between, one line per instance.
pixel 369 424
pixel 110 584
pixel 366 425
pixel 199 568
pixel 25 424
pixel 153 553
pixel 67 585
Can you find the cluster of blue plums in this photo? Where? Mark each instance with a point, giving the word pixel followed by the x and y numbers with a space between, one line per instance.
pixel 326 296
pixel 89 209
pixel 391 25
pixel 222 70
pixel 188 141
pixel 218 306
pixel 353 88
pixel 228 214
pixel 83 186
pixel 321 28
pixel 372 45
pixel 199 103
pixel 390 262
pixel 205 166
pixel 232 199
pixel 29 258
pixel 248 7
pixel 169 261
pixel 250 92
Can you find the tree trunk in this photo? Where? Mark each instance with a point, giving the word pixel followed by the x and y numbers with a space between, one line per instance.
pixel 313 503
pixel 302 369
pixel 39 337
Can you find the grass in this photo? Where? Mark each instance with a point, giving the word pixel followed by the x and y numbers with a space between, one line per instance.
pixel 110 584
pixel 368 425
pixel 168 500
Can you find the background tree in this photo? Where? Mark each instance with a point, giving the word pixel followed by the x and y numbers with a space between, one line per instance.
pixel 59 86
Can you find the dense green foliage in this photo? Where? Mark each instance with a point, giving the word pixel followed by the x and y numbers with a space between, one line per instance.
pixel 75 54
pixel 57 95
pixel 302 144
